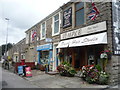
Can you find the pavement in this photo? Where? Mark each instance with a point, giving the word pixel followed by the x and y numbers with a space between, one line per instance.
pixel 44 80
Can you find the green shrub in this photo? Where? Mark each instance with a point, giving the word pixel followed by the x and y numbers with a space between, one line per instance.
pixel 103 78
pixel 98 67
pixel 65 69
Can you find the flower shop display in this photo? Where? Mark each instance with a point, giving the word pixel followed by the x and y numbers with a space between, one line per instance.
pixel 65 69
pixel 93 74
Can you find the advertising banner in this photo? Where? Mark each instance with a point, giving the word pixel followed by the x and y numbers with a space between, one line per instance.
pixel 116 26
pixel 20 70
pixel 28 72
pixel 67 17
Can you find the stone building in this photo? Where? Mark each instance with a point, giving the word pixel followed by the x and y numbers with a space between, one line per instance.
pixel 41 48
pixel 17 52
pixel 82 39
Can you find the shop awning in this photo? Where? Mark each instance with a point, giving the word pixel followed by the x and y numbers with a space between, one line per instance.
pixel 63 44
pixel 100 38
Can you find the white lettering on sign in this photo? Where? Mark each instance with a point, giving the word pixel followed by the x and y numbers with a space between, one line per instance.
pixel 85 30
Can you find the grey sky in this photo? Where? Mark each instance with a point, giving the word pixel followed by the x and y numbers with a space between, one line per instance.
pixel 23 14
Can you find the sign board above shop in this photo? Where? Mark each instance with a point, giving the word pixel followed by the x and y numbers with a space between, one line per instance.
pixel 94 39
pixel 85 30
pixel 44 47
pixel 48 40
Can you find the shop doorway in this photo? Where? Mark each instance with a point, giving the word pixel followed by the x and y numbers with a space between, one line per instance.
pixel 55 57
pixel 80 57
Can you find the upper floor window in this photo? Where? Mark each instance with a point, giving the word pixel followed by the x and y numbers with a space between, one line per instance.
pixel 43 30
pixel 56 24
pixel 79 13
pixel 27 38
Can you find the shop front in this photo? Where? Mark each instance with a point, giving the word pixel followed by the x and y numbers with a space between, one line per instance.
pixel 84 50
pixel 45 55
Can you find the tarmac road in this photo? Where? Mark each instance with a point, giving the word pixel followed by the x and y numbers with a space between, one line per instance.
pixel 11 80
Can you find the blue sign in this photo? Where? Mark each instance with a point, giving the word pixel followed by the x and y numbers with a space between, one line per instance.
pixel 20 70
pixel 44 47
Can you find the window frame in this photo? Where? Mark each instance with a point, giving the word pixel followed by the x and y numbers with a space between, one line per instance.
pixel 41 38
pixel 27 38
pixel 53 24
pixel 77 11
pixel 31 36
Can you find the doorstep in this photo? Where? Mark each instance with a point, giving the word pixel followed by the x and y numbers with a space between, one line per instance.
pixel 52 73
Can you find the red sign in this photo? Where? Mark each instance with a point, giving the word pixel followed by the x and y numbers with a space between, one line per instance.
pixel 28 71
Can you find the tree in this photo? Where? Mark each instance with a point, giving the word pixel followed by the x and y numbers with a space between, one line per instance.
pixel 9 46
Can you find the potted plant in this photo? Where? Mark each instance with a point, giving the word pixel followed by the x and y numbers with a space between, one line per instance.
pixel 105 56
pixel 94 74
pixel 103 78
pixel 65 69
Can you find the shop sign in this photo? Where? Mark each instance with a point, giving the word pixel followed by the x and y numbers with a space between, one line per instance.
pixel 63 44
pixel 89 40
pixel 28 71
pixel 44 47
pixel 20 70
pixel 67 17
pixel 48 40
pixel 100 38
pixel 116 27
pixel 85 30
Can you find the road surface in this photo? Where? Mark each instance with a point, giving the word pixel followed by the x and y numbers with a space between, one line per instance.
pixel 11 80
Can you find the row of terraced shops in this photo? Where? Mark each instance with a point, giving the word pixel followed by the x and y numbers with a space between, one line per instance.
pixel 80 40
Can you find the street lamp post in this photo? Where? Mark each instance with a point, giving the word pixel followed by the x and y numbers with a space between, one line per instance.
pixel 6 38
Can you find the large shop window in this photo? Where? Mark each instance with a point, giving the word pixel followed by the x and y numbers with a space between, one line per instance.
pixel 43 29
pixel 79 13
pixel 56 25
pixel 44 57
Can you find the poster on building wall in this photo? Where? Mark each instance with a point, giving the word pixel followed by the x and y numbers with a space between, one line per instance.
pixel 116 27
pixel 67 17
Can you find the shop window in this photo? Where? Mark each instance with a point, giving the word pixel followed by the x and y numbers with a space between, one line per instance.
pixel 44 57
pixel 43 30
pixel 56 24
pixel 79 13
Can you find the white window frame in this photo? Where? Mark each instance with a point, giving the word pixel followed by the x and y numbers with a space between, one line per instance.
pixel 31 36
pixel 27 38
pixel 41 38
pixel 54 34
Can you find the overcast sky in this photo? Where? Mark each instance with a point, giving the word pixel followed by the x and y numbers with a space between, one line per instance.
pixel 22 15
